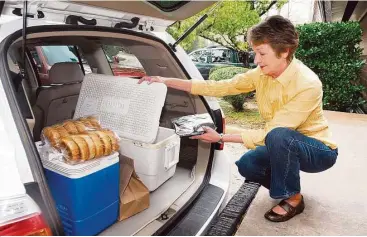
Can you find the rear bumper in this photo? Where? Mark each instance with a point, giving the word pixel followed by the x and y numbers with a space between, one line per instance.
pixel 203 211
pixel 201 214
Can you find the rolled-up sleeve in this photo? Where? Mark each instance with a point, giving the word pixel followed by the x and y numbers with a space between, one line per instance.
pixel 241 83
pixel 292 115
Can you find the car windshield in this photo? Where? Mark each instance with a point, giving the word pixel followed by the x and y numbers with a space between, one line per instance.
pixel 56 54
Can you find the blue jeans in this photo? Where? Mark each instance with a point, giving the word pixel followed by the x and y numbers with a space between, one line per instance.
pixel 277 165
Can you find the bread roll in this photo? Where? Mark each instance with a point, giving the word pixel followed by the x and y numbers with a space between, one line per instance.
pixel 83 147
pixel 51 135
pixel 80 126
pixel 70 127
pixel 71 148
pixel 54 135
pixel 106 142
pixel 113 138
pixel 98 144
pixel 87 123
pixel 91 146
pixel 62 131
pixel 95 123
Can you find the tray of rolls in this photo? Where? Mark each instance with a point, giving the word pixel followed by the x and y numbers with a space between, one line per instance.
pixel 79 140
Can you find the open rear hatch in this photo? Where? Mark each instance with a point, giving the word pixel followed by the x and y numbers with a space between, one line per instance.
pixel 187 180
pixel 167 10
pixel 141 15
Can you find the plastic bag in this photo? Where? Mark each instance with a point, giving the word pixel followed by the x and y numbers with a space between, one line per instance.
pixel 89 145
pixel 47 152
pixel 192 125
pixel 91 122
pixel 54 134
pixel 78 140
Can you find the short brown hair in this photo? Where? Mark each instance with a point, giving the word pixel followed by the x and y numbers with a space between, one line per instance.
pixel 276 31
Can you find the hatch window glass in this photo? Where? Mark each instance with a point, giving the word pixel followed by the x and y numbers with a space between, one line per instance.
pixel 44 57
pixel 57 54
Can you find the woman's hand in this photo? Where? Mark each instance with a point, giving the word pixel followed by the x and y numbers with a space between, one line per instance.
pixel 152 79
pixel 210 136
pixel 179 84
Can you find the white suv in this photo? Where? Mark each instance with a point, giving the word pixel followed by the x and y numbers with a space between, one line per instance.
pixel 190 200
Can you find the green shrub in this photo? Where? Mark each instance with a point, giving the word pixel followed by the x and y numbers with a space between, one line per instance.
pixel 332 51
pixel 227 73
pixel 213 69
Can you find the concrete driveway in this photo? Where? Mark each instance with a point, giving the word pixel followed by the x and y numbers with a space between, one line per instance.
pixel 336 200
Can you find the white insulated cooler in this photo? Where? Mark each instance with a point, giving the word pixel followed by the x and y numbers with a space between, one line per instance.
pixel 133 111
pixel 154 163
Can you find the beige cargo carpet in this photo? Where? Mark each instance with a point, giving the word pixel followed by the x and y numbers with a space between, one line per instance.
pixel 160 200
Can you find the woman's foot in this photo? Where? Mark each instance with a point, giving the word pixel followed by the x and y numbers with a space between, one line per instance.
pixel 286 209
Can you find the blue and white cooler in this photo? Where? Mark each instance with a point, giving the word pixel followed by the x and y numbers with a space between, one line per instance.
pixel 86 195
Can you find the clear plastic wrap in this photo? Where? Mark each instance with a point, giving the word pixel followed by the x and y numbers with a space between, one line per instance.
pixel 76 141
pixel 91 122
pixel 54 134
pixel 47 152
pixel 90 145
pixel 192 125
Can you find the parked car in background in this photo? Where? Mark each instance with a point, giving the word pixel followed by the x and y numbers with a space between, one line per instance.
pixel 126 64
pixel 214 56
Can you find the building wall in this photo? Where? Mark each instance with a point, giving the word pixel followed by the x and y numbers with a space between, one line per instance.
pixel 297 11
pixel 317 17
pixel 363 24
pixel 321 11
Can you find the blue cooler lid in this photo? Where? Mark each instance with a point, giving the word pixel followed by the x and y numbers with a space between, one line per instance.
pixel 130 109
pixel 79 170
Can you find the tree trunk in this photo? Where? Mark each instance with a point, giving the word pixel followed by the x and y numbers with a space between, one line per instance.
pixel 243 56
pixel 268 8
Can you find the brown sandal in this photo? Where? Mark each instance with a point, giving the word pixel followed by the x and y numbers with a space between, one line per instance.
pixel 291 211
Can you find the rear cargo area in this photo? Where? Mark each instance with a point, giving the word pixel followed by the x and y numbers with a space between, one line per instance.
pixel 135 123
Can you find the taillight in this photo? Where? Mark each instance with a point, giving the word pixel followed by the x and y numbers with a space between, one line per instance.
pixel 31 226
pixel 22 217
pixel 221 146
pixel 220 121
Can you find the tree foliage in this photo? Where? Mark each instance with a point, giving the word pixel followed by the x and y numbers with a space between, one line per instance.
pixel 226 25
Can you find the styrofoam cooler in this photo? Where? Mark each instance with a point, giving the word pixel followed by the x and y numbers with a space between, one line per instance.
pixel 133 111
pixel 154 163
pixel 86 195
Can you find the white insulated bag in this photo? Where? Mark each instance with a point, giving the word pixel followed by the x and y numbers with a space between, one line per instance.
pixel 133 111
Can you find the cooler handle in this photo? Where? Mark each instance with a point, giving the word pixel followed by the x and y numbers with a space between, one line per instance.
pixel 171 155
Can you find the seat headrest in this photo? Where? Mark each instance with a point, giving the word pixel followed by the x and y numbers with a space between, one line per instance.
pixel 65 73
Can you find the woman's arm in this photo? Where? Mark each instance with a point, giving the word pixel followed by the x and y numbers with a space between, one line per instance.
pixel 240 83
pixel 211 136
pixel 235 138
pixel 179 84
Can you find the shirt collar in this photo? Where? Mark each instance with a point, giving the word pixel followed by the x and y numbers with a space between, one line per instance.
pixel 286 76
